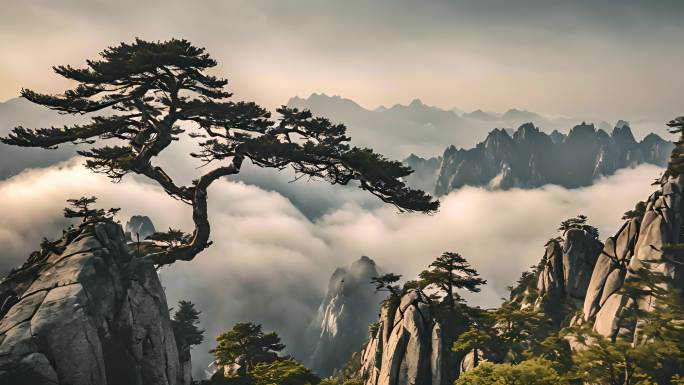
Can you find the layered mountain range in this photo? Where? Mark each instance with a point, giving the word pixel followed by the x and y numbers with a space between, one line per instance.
pixel 530 158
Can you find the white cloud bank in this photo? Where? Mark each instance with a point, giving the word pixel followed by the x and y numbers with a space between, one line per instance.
pixel 270 263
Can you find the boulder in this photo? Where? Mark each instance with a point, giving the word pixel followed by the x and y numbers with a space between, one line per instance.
pixel 87 313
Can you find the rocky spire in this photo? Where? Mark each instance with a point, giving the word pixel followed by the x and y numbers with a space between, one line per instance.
pixel 340 327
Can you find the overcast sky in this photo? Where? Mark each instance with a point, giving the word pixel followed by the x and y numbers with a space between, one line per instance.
pixel 608 59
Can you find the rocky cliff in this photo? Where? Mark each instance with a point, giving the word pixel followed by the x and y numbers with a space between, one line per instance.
pixel 531 158
pixel 82 311
pixel 411 344
pixel 560 281
pixel 638 244
pixel 340 327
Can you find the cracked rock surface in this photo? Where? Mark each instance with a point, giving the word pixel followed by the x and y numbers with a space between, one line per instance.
pixel 639 243
pixel 409 346
pixel 82 311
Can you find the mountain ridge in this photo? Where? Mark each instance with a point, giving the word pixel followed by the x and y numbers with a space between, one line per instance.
pixel 531 158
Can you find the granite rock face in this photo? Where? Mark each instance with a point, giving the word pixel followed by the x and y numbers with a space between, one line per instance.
pixel 409 345
pixel 562 278
pixel 349 306
pixel 638 244
pixel 531 158
pixel 568 264
pixel 82 311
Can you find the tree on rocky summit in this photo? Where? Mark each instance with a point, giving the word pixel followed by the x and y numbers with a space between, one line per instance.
pixel 244 346
pixel 185 323
pixel 450 272
pixel 80 208
pixel 579 222
pixel 637 212
pixel 676 164
pixel 159 93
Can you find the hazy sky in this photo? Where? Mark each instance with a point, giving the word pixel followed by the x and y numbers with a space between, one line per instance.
pixel 606 59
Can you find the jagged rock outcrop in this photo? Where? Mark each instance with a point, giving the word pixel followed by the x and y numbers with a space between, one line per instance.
pixel 82 311
pixel 411 345
pixel 638 244
pixel 349 306
pixel 139 225
pixel 568 264
pixel 531 158
pixel 560 282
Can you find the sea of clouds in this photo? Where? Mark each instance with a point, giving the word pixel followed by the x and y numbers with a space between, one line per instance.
pixel 273 252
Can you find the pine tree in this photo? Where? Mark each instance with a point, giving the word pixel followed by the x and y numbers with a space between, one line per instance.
pixel 506 334
pixel 185 330
pixel 80 208
pixel 387 282
pixel 579 222
pixel 172 237
pixel 245 345
pixel 676 164
pixel 160 92
pixel 449 272
pixel 283 372
pixel 535 371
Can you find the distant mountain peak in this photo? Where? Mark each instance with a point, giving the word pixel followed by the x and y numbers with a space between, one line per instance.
pixel 417 103
pixel 348 308
pixel 480 115
pixel 623 132
pixel 527 127
pixel 582 129
pixel 322 103
pixel 527 131
pixel 621 124
pixel 498 132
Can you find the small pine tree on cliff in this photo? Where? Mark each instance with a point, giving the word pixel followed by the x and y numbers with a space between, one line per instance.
pixel 449 272
pixel 184 324
pixel 172 237
pixel 80 208
pixel 676 164
pixel 387 282
pixel 246 345
pixel 579 222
